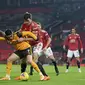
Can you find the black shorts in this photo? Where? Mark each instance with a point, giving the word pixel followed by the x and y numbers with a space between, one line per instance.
pixel 23 53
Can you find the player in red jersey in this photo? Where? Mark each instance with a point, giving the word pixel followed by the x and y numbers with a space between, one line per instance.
pixel 30 25
pixel 73 41
pixel 46 50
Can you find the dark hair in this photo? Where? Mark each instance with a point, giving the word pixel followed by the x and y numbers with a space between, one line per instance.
pixel 19 34
pixel 8 32
pixel 39 23
pixel 27 16
pixel 42 27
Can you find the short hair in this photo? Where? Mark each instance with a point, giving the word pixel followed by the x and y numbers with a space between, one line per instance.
pixel 8 32
pixel 39 23
pixel 27 16
pixel 19 34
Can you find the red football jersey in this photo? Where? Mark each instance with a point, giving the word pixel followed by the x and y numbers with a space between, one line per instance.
pixel 33 27
pixel 26 27
pixel 44 37
pixel 73 41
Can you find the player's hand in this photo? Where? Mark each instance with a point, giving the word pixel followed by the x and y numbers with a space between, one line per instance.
pixel 81 50
pixel 44 49
pixel 21 39
pixel 64 47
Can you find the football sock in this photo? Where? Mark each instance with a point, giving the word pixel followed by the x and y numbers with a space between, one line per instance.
pixel 67 65
pixel 8 68
pixel 55 65
pixel 31 70
pixel 34 65
pixel 41 68
pixel 23 67
pixel 78 64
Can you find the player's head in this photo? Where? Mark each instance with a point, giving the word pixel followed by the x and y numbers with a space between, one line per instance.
pixel 27 17
pixel 39 25
pixel 9 34
pixel 73 30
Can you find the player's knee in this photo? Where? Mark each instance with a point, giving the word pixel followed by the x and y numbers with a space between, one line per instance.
pixel 9 60
pixel 29 61
pixel 52 58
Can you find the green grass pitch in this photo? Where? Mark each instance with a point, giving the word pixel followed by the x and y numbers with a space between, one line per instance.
pixel 73 77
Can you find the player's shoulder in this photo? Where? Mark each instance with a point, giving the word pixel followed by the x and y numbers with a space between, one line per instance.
pixel 34 23
pixel 77 34
pixel 43 31
pixel 69 34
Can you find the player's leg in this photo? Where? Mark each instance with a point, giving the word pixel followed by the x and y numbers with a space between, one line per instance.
pixel 12 58
pixel 31 70
pixel 55 65
pixel 35 59
pixel 37 51
pixel 34 65
pixel 78 64
pixel 36 54
pixel 76 54
pixel 40 67
pixel 23 67
pixel 49 54
pixel 69 56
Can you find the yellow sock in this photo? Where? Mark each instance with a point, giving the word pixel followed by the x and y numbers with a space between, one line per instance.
pixel 34 65
pixel 8 68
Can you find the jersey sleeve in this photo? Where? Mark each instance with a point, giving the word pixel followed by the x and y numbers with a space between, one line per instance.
pixel 47 35
pixel 81 45
pixel 2 38
pixel 28 33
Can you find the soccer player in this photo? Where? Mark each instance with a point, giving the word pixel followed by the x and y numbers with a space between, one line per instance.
pixel 22 50
pixel 46 50
pixel 73 41
pixel 32 26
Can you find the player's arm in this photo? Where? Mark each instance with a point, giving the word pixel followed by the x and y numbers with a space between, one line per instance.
pixel 48 42
pixel 2 38
pixel 80 41
pixel 81 45
pixel 46 35
pixel 28 33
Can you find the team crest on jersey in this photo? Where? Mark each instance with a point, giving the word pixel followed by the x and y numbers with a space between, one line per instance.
pixel 70 37
pixel 75 37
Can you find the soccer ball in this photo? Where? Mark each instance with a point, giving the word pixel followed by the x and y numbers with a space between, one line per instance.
pixel 24 76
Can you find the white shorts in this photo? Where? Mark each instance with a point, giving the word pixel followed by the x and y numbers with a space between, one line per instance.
pixel 48 52
pixel 71 53
pixel 38 48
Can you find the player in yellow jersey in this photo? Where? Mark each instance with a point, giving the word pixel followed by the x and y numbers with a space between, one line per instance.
pixel 22 50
